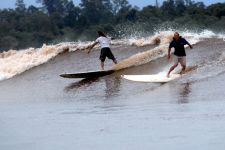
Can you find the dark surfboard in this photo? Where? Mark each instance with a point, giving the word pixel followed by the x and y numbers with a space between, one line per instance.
pixel 86 75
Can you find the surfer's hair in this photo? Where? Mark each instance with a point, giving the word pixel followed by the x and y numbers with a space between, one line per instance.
pixel 176 33
pixel 100 33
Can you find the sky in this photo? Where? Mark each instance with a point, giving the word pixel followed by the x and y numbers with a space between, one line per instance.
pixel 139 3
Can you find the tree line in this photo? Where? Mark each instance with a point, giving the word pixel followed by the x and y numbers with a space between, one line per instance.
pixel 62 20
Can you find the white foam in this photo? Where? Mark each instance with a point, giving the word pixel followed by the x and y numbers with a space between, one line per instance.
pixel 15 62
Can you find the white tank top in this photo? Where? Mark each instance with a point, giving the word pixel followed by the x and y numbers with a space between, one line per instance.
pixel 104 41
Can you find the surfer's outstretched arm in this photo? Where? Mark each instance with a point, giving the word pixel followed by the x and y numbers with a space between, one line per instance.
pixel 190 45
pixel 91 47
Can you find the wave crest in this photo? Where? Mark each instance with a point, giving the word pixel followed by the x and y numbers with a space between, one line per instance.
pixel 15 62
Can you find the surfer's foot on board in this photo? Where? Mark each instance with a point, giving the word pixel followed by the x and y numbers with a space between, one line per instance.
pixel 182 72
pixel 168 75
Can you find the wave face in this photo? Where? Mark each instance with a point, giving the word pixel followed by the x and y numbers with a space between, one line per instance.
pixel 14 62
pixel 162 39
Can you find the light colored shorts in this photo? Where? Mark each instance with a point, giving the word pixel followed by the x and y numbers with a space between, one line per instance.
pixel 181 60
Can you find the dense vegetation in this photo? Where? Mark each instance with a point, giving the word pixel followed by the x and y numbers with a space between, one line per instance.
pixel 62 20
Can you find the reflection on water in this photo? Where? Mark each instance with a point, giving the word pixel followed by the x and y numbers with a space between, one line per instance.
pixel 185 90
pixel 79 84
pixel 112 86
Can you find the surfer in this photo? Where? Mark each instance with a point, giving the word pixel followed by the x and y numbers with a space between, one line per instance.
pixel 104 42
pixel 178 43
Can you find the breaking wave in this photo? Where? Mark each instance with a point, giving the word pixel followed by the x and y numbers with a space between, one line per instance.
pixel 162 39
pixel 14 62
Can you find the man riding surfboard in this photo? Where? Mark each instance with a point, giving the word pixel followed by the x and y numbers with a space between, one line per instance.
pixel 178 43
pixel 104 42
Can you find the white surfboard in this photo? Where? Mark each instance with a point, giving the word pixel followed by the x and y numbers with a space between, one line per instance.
pixel 160 78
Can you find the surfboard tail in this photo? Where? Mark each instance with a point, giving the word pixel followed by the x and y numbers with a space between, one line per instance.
pixel 151 78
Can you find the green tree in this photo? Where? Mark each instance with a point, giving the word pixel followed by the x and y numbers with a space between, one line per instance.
pixel 169 9
pixel 96 11
pixel 189 2
pixel 196 9
pixel 20 6
pixel 54 6
pixel 150 14
pixel 72 15
pixel 180 7
pixel 119 5
pixel 217 10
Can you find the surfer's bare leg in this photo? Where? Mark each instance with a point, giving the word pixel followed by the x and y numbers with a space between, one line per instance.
pixel 183 64
pixel 171 69
pixel 102 65
pixel 183 69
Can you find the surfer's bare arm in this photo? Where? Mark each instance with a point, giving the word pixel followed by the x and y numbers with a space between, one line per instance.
pixel 190 45
pixel 91 47
pixel 169 50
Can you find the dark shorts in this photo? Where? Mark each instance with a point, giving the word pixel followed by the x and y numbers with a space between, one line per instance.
pixel 106 52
